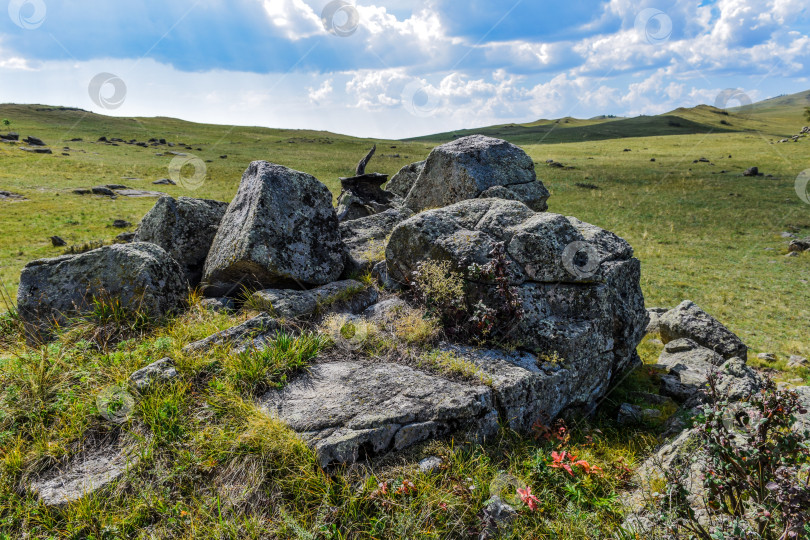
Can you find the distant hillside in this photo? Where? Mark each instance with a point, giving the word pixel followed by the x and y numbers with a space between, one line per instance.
pixel 780 116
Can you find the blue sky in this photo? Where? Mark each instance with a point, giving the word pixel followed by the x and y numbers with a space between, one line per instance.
pixel 397 68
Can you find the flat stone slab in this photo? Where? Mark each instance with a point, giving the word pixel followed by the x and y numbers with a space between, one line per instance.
pixel 349 410
pixel 83 475
pixel 347 295
pixel 251 333
pixel 138 193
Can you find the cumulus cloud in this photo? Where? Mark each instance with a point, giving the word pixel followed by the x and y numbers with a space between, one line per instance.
pixel 409 68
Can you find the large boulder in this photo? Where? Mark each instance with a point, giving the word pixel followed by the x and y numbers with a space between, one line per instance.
pixel 471 166
pixel 579 284
pixel 365 238
pixel 140 276
pixel 279 230
pixel 687 320
pixel 402 182
pixel 185 228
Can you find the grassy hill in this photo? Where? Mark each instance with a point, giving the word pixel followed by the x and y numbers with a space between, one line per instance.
pixel 779 117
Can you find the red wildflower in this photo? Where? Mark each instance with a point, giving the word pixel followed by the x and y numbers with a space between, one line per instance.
pixel 559 462
pixel 526 496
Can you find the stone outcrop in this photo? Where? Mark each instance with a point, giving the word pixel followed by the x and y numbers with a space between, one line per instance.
pixel 140 276
pixel 348 410
pixel 185 228
pixel 279 230
pixel 472 167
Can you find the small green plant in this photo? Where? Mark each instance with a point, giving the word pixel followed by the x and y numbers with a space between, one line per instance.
pixel 6 122
pixel 257 370
pixel 449 363
pixel 441 290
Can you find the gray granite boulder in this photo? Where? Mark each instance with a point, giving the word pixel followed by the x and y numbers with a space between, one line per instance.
pixel 402 182
pixel 141 276
pixel 579 284
pixel 185 228
pixel 365 238
pixel 687 320
pixel 689 366
pixel 279 230
pixel 467 167
pixel 349 410
pixel 343 296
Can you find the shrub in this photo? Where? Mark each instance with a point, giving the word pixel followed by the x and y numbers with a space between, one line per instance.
pixel 441 290
pixel 757 478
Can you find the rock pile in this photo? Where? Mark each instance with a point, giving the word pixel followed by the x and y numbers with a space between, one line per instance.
pixel 281 239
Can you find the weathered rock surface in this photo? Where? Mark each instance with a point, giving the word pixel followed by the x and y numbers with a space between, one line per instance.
pixel 141 276
pixel 525 388
pixel 252 333
pixel 402 182
pixel 362 196
pixel 185 228
pixel 687 320
pixel 689 367
pixel 347 410
pixel 468 167
pixel 279 230
pixel 579 284
pixel 159 371
pixel 222 305
pixel 365 238
pixel 341 296
pixel 83 475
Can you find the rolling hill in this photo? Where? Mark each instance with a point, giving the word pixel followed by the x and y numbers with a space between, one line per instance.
pixel 780 117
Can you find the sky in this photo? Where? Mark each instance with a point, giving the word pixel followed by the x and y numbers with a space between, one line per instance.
pixel 398 68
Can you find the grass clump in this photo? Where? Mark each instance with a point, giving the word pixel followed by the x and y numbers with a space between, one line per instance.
pixel 257 370
pixel 449 363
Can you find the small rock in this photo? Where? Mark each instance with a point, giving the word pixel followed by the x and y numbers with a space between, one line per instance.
pixel 768 357
pixel 796 361
pixel 121 224
pixel 165 182
pixel 430 464
pixel 343 296
pixel 221 305
pixel 751 171
pixel 498 519
pixel 58 241
pixel 103 190
pixel 125 237
pixel 34 141
pixel 629 414
pixel 162 370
